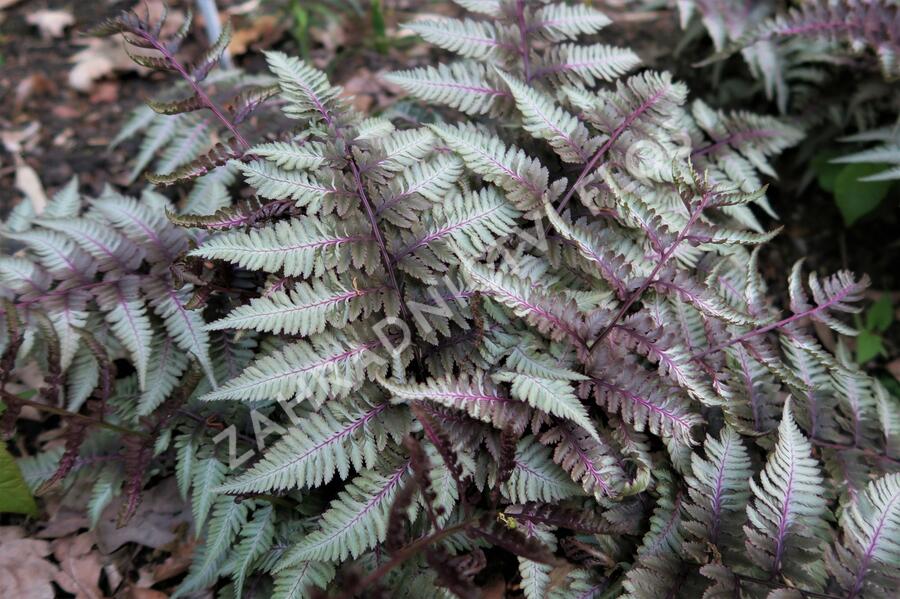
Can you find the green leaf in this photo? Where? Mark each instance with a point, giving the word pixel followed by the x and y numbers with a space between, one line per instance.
pixel 868 346
pixel 826 171
pixel 891 384
pixel 15 498
pixel 856 198
pixel 378 27
pixel 880 315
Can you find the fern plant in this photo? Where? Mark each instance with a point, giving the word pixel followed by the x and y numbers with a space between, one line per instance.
pixel 534 335
pixel 887 152
pixel 91 284
pixel 793 47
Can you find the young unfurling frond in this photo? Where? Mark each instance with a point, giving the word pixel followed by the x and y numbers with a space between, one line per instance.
pixel 834 294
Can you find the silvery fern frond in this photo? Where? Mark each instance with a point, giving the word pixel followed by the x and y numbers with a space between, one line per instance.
pixel 657 566
pixel 228 518
pixel 535 477
pixel 865 563
pixel 464 224
pixel 466 37
pixel 475 395
pixel 397 151
pixel 558 320
pixel 307 90
pixel 276 183
pixel 301 580
pixel 107 246
pixel 543 119
pixel 461 328
pixel 589 461
pixel 552 396
pixel 323 443
pixel 577 64
pixel 416 188
pixel 292 156
pixel 834 294
pixel 463 85
pixel 490 8
pixel 524 179
pixel 256 539
pixel 208 473
pixel 125 311
pixel 306 309
pixel 355 521
pixel 326 366
pixel 886 153
pixel 855 23
pixel 535 575
pixel 561 21
pixel 643 400
pixel 298 247
pixel 741 136
pixel 787 512
pixel 719 489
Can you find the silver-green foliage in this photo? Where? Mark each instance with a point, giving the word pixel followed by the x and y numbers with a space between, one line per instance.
pixel 465 327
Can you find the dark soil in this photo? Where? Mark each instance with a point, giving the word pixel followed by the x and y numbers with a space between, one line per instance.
pixel 74 128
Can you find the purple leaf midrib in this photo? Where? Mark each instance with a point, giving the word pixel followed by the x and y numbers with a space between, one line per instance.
pixel 785 512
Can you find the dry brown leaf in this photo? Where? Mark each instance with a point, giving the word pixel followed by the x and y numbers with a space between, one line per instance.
pixel 80 566
pixel 361 89
pixel 17 141
pixel 36 84
pixel 894 368
pixel 262 29
pixel 332 36
pixel 114 576
pixel 136 593
pixel 24 573
pixel 64 520
pixel 100 58
pixel 51 23
pixel 161 513
pixel 64 111
pixel 243 8
pixel 176 563
pixel 11 533
pixel 105 92
pixel 28 182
